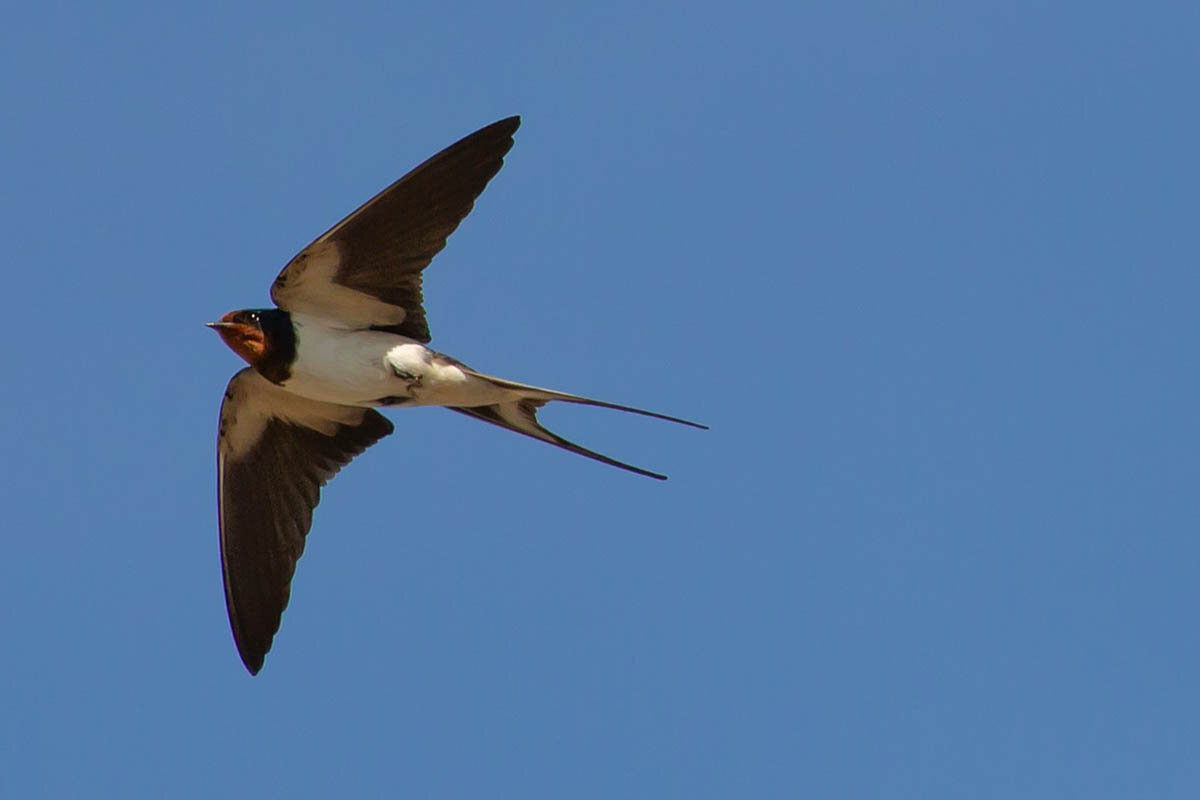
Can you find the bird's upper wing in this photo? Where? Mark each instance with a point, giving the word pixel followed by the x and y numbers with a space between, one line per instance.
pixel 366 270
pixel 274 452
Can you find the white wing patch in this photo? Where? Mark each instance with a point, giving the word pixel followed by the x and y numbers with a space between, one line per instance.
pixel 309 287
pixel 252 400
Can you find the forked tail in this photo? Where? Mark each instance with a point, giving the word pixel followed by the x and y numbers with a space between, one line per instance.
pixel 520 415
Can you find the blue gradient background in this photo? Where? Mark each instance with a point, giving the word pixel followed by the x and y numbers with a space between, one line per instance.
pixel 928 269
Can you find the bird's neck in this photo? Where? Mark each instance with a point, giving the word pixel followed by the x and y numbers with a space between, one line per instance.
pixel 276 362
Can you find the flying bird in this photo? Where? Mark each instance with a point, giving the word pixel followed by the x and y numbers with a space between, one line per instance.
pixel 349 335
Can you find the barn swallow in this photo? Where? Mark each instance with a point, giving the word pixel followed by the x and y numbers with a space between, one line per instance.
pixel 349 335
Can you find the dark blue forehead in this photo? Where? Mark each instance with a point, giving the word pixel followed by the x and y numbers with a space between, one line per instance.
pixel 270 320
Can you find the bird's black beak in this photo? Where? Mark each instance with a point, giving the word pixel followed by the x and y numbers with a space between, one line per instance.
pixel 220 324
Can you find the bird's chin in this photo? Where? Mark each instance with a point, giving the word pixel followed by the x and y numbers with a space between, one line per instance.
pixel 245 340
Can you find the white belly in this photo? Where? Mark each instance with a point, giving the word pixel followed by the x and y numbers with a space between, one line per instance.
pixel 368 368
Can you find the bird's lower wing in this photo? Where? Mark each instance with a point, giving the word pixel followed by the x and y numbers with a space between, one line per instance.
pixel 274 452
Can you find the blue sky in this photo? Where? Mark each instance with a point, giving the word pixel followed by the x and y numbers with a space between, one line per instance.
pixel 927 269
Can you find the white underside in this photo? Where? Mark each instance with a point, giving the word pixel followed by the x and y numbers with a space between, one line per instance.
pixel 359 368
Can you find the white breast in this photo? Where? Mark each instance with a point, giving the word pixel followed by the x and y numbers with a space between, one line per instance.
pixel 341 366
pixel 360 368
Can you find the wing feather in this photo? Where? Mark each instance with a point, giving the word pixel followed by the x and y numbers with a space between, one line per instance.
pixel 274 452
pixel 366 270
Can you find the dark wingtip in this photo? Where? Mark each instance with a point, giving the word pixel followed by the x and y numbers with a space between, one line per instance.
pixel 505 127
pixel 253 664
pixel 252 657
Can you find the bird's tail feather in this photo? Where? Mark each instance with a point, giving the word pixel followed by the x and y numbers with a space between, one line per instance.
pixel 520 415
pixel 539 393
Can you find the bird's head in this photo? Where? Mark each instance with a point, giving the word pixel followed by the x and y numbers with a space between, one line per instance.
pixel 243 332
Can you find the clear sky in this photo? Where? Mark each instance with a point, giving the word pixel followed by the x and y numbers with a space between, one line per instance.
pixel 929 270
